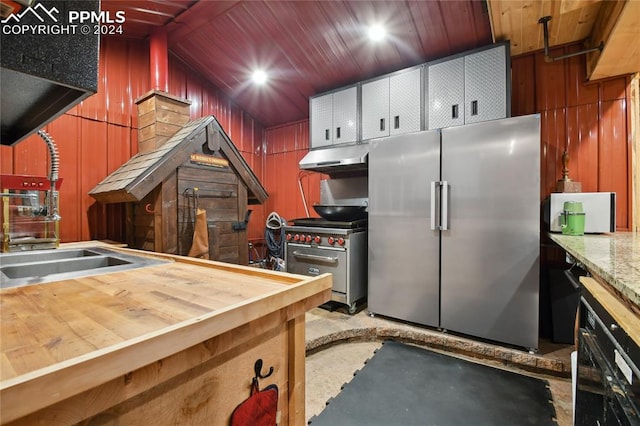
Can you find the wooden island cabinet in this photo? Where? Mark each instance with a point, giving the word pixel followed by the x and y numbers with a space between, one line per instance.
pixel 174 343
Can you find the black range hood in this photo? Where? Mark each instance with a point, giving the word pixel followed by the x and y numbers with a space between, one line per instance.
pixel 336 159
pixel 44 74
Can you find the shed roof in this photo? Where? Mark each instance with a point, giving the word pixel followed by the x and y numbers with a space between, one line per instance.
pixel 136 178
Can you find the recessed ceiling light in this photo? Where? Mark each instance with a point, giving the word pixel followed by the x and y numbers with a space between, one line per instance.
pixel 377 32
pixel 259 77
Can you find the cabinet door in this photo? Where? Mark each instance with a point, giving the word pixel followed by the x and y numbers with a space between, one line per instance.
pixel 404 102
pixel 404 252
pixel 446 94
pixel 345 115
pixel 375 109
pixel 321 120
pixel 485 77
pixel 493 227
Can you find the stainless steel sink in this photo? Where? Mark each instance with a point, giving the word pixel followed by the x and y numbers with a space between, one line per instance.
pixel 43 256
pixel 41 266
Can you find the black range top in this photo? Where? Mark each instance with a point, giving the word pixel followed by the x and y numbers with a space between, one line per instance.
pixel 318 222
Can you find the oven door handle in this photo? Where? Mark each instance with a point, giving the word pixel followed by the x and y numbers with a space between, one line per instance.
pixel 315 257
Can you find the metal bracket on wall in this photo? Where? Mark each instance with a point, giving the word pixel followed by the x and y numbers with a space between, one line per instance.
pixel 241 226
pixel 545 23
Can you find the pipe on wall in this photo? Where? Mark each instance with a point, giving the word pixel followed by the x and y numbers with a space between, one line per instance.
pixel 159 59
pixel 547 57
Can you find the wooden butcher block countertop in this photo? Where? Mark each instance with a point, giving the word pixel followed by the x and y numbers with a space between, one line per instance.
pixel 62 338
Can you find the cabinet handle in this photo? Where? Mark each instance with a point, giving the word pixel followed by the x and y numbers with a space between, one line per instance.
pixel 337 132
pixel 474 107
pixel 382 124
pixel 396 122
pixel 326 134
pixel 454 111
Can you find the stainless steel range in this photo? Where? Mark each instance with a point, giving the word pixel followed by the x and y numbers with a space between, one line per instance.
pixel 315 246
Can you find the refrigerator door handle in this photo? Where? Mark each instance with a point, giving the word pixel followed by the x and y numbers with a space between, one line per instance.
pixel 444 224
pixel 433 204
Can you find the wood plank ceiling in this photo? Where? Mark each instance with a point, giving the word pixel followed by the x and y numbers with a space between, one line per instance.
pixel 614 23
pixel 308 47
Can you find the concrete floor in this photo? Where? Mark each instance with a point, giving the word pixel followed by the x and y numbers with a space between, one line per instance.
pixel 338 345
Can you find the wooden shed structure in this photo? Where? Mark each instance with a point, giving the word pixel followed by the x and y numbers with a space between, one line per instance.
pixel 197 167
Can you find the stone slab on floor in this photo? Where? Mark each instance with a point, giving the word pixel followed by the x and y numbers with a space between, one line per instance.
pixel 324 328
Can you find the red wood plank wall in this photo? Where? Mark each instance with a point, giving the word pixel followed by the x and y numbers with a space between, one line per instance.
pixel 285 147
pixel 589 119
pixel 98 135
pixel 94 138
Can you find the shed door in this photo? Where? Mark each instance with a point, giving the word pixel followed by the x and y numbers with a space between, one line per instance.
pixel 222 196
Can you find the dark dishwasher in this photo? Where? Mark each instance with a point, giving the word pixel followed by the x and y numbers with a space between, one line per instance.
pixel 608 379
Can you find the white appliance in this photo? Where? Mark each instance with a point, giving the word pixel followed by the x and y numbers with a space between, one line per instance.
pixel 599 208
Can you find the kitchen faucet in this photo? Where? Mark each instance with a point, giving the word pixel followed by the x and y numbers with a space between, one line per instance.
pixel 54 159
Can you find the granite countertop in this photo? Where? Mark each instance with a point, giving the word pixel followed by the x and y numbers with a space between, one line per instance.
pixel 614 257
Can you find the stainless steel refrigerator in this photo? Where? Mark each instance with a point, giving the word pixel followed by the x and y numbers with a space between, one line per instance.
pixel 454 229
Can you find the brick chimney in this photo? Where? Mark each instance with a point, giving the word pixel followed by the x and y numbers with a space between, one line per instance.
pixel 160 116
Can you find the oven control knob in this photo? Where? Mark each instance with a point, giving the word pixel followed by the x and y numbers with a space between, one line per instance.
pixel 289 236
pixel 317 239
pixel 341 241
pixel 302 238
pixel 296 237
pixel 308 238
pixel 331 240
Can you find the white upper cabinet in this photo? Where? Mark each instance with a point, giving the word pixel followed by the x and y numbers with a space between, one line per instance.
pixel 345 115
pixel 391 105
pixel 485 77
pixel 375 109
pixel 469 88
pixel 321 120
pixel 334 117
pixel 446 94
pixel 462 89
pixel 404 102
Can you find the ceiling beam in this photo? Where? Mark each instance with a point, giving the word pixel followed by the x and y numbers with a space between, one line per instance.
pixel 606 29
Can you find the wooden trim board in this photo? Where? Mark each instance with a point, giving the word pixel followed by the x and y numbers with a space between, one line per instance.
pixel 625 318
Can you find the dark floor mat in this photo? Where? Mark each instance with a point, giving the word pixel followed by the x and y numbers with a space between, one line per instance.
pixel 407 385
